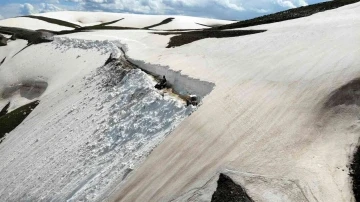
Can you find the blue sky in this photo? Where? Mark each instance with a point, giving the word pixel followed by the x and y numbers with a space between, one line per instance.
pixel 221 9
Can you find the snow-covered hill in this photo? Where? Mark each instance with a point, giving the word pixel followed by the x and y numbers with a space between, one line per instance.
pixel 137 21
pixel 279 110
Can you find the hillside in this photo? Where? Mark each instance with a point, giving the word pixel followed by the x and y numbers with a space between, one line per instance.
pixel 277 120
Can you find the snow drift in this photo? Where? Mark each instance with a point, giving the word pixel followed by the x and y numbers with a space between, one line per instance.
pixel 91 128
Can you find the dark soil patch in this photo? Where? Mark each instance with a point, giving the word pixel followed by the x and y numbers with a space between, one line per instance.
pixel 91 28
pixel 2 61
pixel 3 40
pixel 189 37
pixel 27 46
pixel 53 21
pixel 211 26
pixel 348 94
pixel 229 191
pixel 33 37
pixel 10 121
pixel 289 14
pixel 355 174
pixel 166 21
pixel 101 25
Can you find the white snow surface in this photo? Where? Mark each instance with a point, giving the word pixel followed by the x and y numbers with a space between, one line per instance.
pixel 92 128
pixel 133 20
pixel 264 123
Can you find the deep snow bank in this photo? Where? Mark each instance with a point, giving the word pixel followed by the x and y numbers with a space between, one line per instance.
pixel 91 129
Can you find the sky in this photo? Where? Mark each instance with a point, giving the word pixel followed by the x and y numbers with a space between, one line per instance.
pixel 219 9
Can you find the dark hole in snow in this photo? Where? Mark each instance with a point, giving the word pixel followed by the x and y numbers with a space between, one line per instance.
pixel 229 191
pixel 10 121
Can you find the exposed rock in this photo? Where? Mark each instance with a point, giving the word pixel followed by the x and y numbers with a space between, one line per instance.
pixel 33 37
pixel 228 191
pixel 13 37
pixel 44 36
pixel 5 110
pixel 3 40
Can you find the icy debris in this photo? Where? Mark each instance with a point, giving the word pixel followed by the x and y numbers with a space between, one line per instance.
pixel 102 47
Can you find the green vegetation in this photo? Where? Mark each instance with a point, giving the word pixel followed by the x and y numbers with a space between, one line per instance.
pixel 10 121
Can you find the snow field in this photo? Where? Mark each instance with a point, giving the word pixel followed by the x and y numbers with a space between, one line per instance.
pixel 94 125
pixel 264 122
pixel 133 20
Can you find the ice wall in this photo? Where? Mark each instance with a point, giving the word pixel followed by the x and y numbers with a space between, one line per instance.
pixel 183 84
pixel 89 132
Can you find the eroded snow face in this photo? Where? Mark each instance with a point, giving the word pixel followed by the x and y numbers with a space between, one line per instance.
pixel 87 137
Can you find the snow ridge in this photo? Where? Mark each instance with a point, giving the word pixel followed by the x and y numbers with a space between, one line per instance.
pixel 88 135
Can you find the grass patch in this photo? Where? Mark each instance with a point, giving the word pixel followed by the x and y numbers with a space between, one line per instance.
pixel 10 121
pixel 53 21
pixel 183 38
pixel 289 14
pixel 166 21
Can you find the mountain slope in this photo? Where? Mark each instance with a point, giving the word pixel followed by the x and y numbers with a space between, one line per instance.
pixel 278 115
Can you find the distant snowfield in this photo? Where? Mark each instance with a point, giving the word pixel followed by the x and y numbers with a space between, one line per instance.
pixel 131 20
pixel 266 123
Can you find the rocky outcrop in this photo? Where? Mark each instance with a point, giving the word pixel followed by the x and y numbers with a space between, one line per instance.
pixel 33 37
pixel 44 36
pixel 3 40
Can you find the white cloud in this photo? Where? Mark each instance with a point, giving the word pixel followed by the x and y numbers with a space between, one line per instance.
pixel 45 7
pixel 222 9
pixel 303 3
pixel 1 17
pixel 28 9
pixel 285 4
